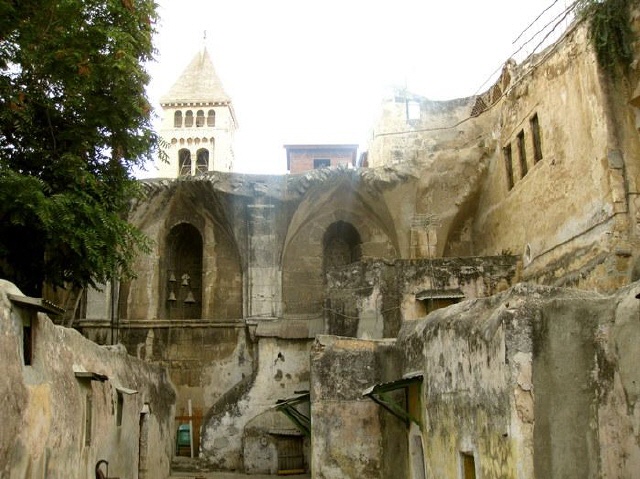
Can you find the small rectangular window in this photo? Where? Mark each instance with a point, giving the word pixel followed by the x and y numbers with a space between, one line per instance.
pixel 119 408
pixel 506 151
pixel 468 465
pixel 321 163
pixel 535 134
pixel 413 110
pixel 522 154
pixel 88 413
pixel 27 342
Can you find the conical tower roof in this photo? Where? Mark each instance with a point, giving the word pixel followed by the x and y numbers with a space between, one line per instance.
pixel 199 82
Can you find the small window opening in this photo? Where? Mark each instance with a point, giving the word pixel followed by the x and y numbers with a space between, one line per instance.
pixel 177 119
pixel 413 110
pixel 535 133
pixel 506 151
pixel 468 465
pixel 202 161
pixel 88 413
pixel 188 119
pixel 27 342
pixel 431 304
pixel 522 154
pixel 119 408
pixel 321 163
pixel 200 118
pixel 211 118
pixel 184 160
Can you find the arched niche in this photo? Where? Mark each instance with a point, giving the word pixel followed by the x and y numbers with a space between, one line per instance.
pixel 181 274
pixel 341 245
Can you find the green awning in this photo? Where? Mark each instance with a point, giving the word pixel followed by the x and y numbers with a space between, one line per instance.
pixel 288 408
pixel 380 393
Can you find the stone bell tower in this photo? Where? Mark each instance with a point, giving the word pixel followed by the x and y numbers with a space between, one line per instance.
pixel 198 122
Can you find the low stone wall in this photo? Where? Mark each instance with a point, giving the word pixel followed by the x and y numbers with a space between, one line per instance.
pixel 71 403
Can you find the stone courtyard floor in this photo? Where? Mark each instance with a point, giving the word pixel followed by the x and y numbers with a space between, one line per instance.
pixel 229 475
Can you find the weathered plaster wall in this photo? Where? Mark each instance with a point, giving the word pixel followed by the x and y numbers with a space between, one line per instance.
pixel 347 429
pixel 44 415
pixel 557 359
pixel 204 359
pixel 262 438
pixel 573 214
pixel 283 368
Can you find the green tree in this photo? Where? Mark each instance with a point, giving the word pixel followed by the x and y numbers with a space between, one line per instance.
pixel 74 124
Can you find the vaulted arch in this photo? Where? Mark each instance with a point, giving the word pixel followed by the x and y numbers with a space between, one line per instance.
pixel 333 226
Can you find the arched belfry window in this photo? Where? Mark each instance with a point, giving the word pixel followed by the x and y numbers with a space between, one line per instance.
pixel 200 118
pixel 183 274
pixel 211 118
pixel 202 161
pixel 341 245
pixel 177 119
pixel 184 162
pixel 188 119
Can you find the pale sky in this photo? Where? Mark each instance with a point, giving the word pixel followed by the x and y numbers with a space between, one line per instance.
pixel 316 71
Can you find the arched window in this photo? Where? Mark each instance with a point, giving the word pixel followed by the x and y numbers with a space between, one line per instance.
pixel 200 118
pixel 184 162
pixel 188 119
pixel 177 119
pixel 202 161
pixel 341 244
pixel 211 118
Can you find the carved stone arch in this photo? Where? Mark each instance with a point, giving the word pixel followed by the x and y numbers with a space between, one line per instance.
pixel 200 118
pixel 201 205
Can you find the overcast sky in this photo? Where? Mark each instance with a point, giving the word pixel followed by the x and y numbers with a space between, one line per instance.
pixel 315 71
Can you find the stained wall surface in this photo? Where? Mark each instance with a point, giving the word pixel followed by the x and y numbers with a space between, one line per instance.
pixel 75 403
pixel 531 382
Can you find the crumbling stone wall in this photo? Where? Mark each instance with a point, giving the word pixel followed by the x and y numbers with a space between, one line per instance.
pixel 372 298
pixel 62 413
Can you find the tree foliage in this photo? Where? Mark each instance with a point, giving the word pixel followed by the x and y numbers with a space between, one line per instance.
pixel 610 32
pixel 74 123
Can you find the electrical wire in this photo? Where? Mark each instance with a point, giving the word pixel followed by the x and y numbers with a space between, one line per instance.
pixel 561 16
